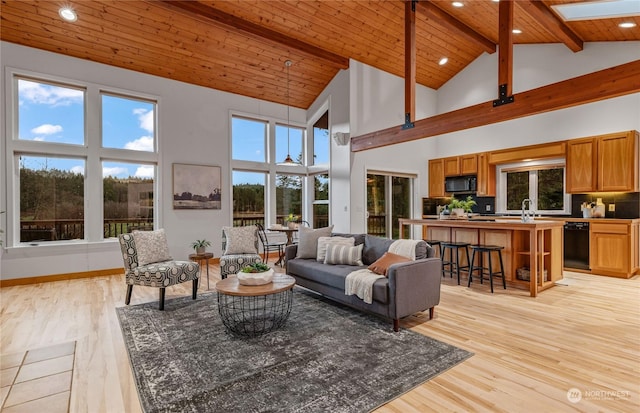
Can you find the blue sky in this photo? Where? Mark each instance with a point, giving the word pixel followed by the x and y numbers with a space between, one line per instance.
pixel 51 113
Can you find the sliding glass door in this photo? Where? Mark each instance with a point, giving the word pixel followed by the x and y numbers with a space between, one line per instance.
pixel 388 199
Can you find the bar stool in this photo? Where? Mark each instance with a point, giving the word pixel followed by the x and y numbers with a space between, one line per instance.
pixel 435 243
pixel 452 266
pixel 481 249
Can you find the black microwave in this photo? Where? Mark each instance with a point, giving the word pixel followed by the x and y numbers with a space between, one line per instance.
pixel 461 184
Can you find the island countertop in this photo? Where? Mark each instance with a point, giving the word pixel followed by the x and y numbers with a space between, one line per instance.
pixel 536 245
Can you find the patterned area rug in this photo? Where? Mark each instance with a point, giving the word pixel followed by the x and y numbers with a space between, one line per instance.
pixel 327 358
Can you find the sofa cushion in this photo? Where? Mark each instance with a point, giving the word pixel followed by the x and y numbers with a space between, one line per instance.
pixel 324 242
pixel 333 276
pixel 308 241
pixel 151 246
pixel 382 264
pixel 374 248
pixel 344 254
pixel 359 238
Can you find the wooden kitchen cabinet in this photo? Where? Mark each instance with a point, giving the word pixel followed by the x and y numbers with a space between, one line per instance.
pixel 486 176
pixel 611 250
pixel 436 178
pixel 618 162
pixel 451 166
pixel 461 165
pixel 607 163
pixel 582 165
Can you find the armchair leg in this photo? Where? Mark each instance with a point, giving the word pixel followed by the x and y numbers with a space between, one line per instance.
pixel 431 311
pixel 195 289
pixel 127 298
pixel 396 325
pixel 161 307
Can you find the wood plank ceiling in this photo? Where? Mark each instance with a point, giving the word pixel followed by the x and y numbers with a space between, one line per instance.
pixel 245 53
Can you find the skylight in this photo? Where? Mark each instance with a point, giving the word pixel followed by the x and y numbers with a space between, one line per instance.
pixel 604 9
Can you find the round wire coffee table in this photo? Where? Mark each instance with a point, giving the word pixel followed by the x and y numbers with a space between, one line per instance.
pixel 253 310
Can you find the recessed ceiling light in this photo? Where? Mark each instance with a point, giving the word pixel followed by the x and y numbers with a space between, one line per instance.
pixel 627 25
pixel 496 1
pixel 68 14
pixel 457 4
pixel 443 61
pixel 516 31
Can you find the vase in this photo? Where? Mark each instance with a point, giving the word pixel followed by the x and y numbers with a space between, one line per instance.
pixel 255 278
pixel 458 212
pixel 200 250
pixel 293 225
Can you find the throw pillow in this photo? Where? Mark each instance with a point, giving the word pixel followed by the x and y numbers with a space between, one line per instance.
pixel 240 240
pixel 308 240
pixel 374 247
pixel 324 242
pixel 343 254
pixel 382 264
pixel 151 246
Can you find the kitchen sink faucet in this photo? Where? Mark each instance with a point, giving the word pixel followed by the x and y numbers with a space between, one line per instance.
pixel 528 214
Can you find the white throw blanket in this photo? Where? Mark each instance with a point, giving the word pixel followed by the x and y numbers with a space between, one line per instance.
pixel 360 283
pixel 404 247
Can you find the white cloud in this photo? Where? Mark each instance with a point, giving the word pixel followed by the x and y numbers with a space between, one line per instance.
pixel 145 117
pixel 39 139
pixel 47 129
pixel 78 169
pixel 145 171
pixel 115 171
pixel 48 95
pixel 144 143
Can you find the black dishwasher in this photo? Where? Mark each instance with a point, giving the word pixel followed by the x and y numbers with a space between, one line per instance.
pixel 576 245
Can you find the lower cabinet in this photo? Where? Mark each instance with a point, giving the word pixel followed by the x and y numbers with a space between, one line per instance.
pixel 613 249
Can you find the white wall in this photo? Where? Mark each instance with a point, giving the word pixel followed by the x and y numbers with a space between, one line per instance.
pixel 193 127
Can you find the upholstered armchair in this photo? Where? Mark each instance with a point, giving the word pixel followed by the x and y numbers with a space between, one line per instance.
pixel 239 249
pixel 147 262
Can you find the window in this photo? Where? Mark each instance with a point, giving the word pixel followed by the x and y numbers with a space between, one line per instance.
pixel 543 182
pixel 50 113
pixel 248 198
pixel 51 198
pixel 289 144
pixel 321 201
pixel 389 198
pixel 321 143
pixel 249 141
pixel 61 144
pixel 288 196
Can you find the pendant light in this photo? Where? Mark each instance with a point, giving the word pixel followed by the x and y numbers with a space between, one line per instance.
pixel 288 160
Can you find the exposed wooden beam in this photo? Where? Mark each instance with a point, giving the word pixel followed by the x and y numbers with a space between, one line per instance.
pixel 604 84
pixel 552 23
pixel 444 19
pixel 409 62
pixel 209 14
pixel 505 53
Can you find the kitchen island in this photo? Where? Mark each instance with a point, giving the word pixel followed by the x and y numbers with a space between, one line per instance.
pixel 530 248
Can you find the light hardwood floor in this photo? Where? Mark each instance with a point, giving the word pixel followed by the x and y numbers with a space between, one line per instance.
pixel 529 352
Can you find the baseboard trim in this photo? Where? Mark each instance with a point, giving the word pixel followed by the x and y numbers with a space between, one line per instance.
pixel 60 277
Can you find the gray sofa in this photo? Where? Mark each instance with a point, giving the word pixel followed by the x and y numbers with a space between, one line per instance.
pixel 410 287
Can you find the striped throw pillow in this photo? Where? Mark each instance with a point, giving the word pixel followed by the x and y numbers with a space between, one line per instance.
pixel 344 254
pixel 324 242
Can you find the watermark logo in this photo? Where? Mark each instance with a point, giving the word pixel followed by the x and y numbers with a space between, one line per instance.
pixel 574 395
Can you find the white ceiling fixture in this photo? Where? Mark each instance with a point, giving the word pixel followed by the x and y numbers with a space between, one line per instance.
pixel 592 10
pixel 516 31
pixel 68 14
pixel 457 4
pixel 443 61
pixel 627 25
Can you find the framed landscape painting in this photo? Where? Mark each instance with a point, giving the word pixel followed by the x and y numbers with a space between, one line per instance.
pixel 196 186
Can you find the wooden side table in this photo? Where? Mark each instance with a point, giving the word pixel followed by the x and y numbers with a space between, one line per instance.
pixel 202 257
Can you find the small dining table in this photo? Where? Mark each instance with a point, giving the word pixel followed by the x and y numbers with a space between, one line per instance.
pixel 289 232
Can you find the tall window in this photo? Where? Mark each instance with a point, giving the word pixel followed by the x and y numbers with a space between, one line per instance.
pixel 248 198
pixel 321 200
pixel 321 143
pixel 58 162
pixel 249 141
pixel 542 182
pixel 388 199
pixel 288 196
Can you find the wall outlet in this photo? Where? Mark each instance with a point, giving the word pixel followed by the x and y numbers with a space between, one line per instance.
pixel 612 207
pixel 487 208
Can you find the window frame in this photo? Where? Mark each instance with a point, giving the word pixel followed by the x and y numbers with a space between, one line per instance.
pixel 91 152
pixel 501 185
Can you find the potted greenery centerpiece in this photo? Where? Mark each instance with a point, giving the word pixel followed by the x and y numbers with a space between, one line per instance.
pixel 292 221
pixel 200 245
pixel 255 274
pixel 459 207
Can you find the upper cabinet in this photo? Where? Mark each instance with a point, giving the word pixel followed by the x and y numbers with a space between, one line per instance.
pixel 486 176
pixel 436 178
pixel 607 163
pixel 461 165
